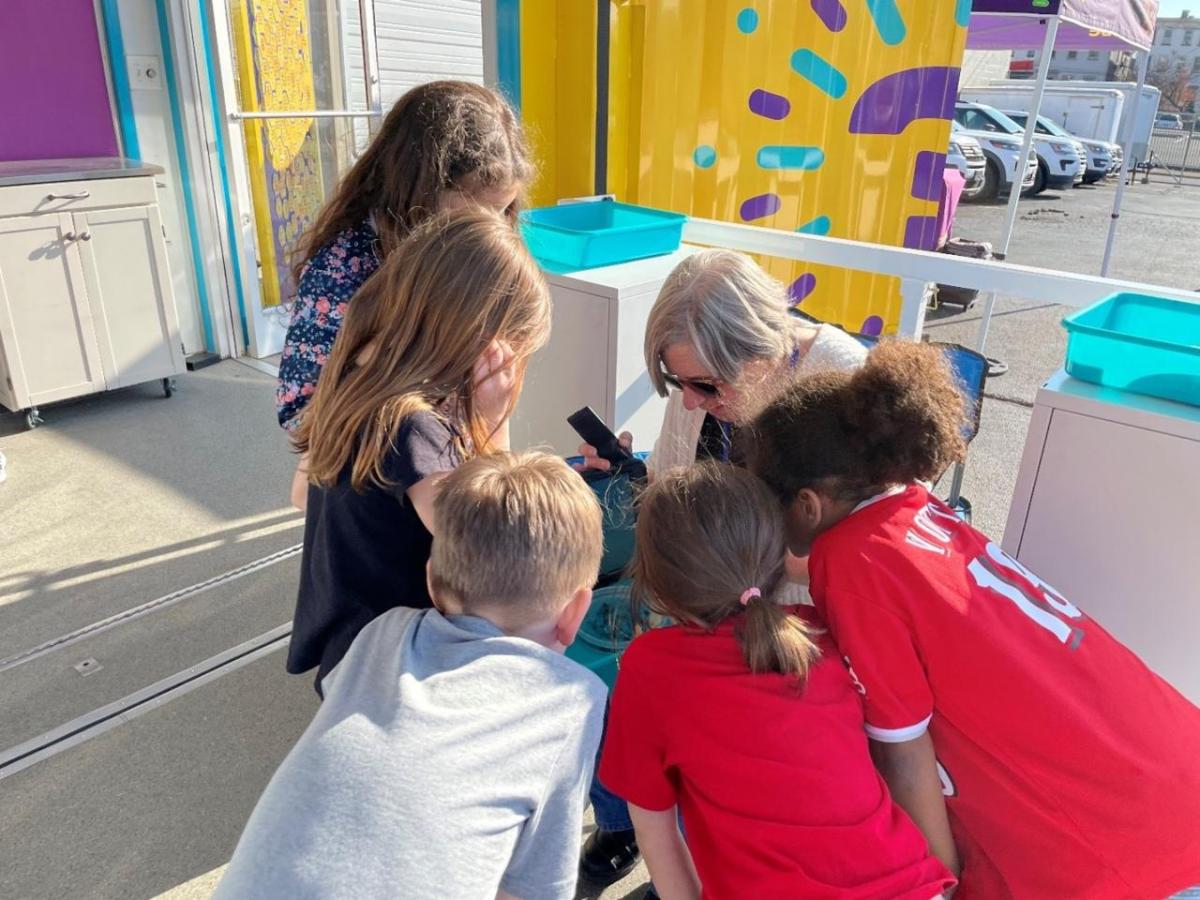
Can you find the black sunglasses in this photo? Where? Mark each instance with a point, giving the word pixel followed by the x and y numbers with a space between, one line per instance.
pixel 708 389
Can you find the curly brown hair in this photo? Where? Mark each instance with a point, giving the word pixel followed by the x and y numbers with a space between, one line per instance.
pixel 439 135
pixel 852 434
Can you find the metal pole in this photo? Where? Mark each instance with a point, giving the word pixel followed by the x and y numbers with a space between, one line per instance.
pixel 1014 195
pixel 1143 65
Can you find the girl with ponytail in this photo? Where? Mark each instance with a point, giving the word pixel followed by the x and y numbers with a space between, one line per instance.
pixel 741 717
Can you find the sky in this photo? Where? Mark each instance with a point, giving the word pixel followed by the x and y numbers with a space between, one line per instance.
pixel 1170 9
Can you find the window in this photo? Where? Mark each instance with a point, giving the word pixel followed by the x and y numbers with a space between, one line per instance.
pixel 1187 38
pixel 1167 37
pixel 1195 64
pixel 1030 54
pixel 974 120
pixel 1072 54
pixel 1093 54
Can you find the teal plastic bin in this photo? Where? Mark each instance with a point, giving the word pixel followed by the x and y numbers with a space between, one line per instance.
pixel 599 233
pixel 606 631
pixel 1140 343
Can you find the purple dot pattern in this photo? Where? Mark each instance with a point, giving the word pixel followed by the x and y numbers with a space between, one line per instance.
pixel 895 101
pixel 768 105
pixel 872 326
pixel 802 287
pixel 760 207
pixel 920 232
pixel 831 13
pixel 927 175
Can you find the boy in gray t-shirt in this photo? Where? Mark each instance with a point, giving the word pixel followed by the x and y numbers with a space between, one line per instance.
pixel 452 755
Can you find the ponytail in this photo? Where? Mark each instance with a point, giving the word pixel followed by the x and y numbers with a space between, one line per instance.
pixel 704 534
pixel 775 641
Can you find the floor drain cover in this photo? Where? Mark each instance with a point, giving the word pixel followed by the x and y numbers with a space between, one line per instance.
pixel 87 666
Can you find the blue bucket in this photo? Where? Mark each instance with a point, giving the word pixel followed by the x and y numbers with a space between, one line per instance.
pixel 599 233
pixel 1138 342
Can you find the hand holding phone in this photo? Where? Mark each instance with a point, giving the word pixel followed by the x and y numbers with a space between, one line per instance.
pixel 592 429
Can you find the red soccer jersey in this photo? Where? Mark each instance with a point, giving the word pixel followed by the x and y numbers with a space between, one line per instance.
pixel 779 797
pixel 1070 769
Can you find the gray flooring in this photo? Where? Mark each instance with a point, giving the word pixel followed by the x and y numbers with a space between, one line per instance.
pixel 123 499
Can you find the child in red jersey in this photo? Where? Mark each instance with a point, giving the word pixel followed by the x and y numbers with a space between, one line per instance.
pixel 1064 767
pixel 743 717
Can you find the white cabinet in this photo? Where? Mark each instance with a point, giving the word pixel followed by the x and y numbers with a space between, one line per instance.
pixel 595 356
pixel 1107 509
pixel 85 291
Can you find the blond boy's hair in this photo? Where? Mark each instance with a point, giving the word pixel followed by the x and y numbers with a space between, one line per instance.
pixel 517 533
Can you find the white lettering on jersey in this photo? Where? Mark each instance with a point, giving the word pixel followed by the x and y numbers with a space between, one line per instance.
pixel 854 677
pixel 924 521
pixel 989 572
pixel 948 788
pixel 914 539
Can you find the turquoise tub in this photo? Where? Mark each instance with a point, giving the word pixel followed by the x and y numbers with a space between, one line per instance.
pixel 599 233
pixel 1138 342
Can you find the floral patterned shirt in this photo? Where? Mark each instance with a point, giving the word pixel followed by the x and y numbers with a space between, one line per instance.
pixel 329 280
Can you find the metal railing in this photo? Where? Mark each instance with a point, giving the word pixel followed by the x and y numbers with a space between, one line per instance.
pixel 1177 151
pixel 917 268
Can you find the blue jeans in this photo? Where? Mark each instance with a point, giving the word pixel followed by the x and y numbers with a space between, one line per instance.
pixel 611 812
pixel 1192 893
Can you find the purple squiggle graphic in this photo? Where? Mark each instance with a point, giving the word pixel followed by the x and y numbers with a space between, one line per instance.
pixel 895 101
pixel 802 287
pixel 831 13
pixel 768 105
pixel 927 175
pixel 760 207
pixel 920 232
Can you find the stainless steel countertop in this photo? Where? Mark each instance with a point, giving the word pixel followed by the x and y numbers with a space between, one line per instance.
pixel 42 171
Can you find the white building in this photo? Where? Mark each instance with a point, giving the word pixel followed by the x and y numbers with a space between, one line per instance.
pixel 1175 59
pixel 1076 65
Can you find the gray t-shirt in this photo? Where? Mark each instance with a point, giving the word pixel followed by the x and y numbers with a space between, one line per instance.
pixel 448 760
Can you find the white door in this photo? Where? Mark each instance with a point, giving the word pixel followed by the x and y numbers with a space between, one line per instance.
pixel 290 116
pixel 129 289
pixel 46 323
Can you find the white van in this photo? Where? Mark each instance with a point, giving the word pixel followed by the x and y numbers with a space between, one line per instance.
pixel 1001 139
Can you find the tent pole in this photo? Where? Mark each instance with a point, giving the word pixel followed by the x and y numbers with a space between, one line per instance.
pixel 1014 195
pixel 1143 65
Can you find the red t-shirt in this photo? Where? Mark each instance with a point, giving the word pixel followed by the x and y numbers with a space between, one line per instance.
pixel 1071 770
pixel 779 797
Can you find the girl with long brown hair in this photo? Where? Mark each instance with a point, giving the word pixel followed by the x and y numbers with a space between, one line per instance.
pixel 742 717
pixel 425 374
pixel 444 145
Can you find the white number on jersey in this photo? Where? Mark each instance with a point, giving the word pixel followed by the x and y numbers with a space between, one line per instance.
pixel 996 571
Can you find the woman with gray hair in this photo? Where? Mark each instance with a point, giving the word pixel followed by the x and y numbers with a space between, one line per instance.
pixel 721 344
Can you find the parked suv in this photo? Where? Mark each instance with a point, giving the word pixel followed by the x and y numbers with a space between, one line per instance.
pixel 1100 157
pixel 999 147
pixel 966 155
pixel 1170 121
pixel 1058 160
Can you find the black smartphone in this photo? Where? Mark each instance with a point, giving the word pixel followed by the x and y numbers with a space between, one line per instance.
pixel 592 429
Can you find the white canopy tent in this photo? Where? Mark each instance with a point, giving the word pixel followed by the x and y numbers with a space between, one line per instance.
pixel 1066 24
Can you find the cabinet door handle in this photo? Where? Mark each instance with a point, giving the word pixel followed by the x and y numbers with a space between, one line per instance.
pixel 69 237
pixel 85 236
pixel 81 195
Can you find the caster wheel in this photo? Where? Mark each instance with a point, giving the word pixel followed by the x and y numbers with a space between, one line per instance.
pixel 168 386
pixel 33 419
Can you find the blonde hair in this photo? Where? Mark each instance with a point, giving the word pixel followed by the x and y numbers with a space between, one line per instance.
pixel 412 336
pixel 726 307
pixel 517 530
pixel 705 535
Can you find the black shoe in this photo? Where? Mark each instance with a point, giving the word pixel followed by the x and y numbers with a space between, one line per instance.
pixel 608 856
pixel 651 894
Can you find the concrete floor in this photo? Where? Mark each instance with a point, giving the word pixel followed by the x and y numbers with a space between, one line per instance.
pixel 122 499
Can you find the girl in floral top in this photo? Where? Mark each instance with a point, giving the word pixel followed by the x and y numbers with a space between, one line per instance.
pixel 444 145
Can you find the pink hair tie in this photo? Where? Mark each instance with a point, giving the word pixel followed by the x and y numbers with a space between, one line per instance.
pixel 748 593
